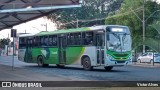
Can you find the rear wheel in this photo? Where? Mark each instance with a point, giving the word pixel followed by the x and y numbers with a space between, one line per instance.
pixel 139 61
pixel 108 68
pixel 87 64
pixel 40 62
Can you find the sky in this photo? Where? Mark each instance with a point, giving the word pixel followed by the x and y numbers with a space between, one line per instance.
pixel 34 26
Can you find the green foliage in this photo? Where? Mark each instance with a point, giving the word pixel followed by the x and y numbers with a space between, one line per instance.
pixel 91 9
pixel 126 15
pixel 4 42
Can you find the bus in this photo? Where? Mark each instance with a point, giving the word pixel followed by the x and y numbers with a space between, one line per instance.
pixel 88 47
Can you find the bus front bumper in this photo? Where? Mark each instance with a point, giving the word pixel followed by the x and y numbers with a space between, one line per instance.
pixel 110 62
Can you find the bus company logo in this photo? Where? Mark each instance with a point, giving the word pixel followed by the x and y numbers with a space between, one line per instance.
pixel 6 84
pixel 46 52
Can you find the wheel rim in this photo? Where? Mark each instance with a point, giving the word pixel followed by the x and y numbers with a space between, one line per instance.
pixel 86 63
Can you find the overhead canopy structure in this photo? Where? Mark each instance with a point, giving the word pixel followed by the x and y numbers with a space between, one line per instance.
pixel 14 12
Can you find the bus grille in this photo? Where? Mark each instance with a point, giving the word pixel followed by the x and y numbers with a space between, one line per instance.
pixel 120 55
pixel 120 61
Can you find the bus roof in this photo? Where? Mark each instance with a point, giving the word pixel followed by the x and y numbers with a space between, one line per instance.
pixel 26 35
pixel 71 30
pixel 93 28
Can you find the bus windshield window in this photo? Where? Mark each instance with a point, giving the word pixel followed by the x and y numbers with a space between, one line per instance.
pixel 120 42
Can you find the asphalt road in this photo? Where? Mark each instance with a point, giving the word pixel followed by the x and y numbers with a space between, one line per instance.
pixel 125 73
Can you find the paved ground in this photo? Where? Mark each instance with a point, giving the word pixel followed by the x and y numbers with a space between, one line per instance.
pixel 146 65
pixel 30 72
pixel 24 71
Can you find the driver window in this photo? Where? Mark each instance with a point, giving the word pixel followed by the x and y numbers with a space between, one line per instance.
pixel 150 54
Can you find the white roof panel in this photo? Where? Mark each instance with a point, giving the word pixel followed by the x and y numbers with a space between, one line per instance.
pixel 14 12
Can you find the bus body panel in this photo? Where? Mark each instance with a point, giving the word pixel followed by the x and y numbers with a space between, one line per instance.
pixel 73 54
pixel 50 55
pixel 21 54
pixel 89 51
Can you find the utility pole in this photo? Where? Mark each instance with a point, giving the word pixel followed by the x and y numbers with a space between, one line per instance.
pixel 8 45
pixel 46 26
pixel 77 23
pixel 143 21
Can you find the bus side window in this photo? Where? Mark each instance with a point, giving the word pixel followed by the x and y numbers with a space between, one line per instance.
pixel 35 41
pixel 50 41
pixel 78 38
pixel 42 41
pixel 22 42
pixel 83 38
pixel 30 42
pixel 54 40
pixel 89 38
pixel 72 42
pixel 46 41
pixel 68 39
pixel 38 41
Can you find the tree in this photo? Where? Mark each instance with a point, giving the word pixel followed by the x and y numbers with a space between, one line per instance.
pixel 126 16
pixel 3 42
pixel 91 9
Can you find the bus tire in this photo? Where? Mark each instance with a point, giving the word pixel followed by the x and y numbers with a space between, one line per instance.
pixel 60 66
pixel 139 61
pixel 151 61
pixel 108 68
pixel 40 62
pixel 87 64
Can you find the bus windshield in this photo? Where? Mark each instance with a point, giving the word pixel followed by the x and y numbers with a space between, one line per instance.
pixel 120 42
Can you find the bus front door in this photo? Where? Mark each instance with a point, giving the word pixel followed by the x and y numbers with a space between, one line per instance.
pixel 62 49
pixel 28 53
pixel 100 48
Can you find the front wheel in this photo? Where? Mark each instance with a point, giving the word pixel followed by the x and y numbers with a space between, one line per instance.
pixel 139 61
pixel 87 64
pixel 108 68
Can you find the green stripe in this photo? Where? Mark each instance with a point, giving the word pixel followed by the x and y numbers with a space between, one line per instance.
pixel 63 31
pixel 119 55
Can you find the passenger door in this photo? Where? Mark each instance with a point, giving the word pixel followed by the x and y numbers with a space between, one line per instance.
pixel 28 54
pixel 62 42
pixel 100 48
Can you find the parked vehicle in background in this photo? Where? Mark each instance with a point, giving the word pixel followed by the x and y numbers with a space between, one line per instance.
pixel 148 58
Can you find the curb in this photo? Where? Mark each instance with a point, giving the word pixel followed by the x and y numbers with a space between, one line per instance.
pixel 146 65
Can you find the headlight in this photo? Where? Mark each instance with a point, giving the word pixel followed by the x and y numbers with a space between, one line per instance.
pixel 110 57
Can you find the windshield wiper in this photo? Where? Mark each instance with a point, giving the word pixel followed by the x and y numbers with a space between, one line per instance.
pixel 116 36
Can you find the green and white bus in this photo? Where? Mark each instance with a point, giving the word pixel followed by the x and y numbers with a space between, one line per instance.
pixel 105 45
